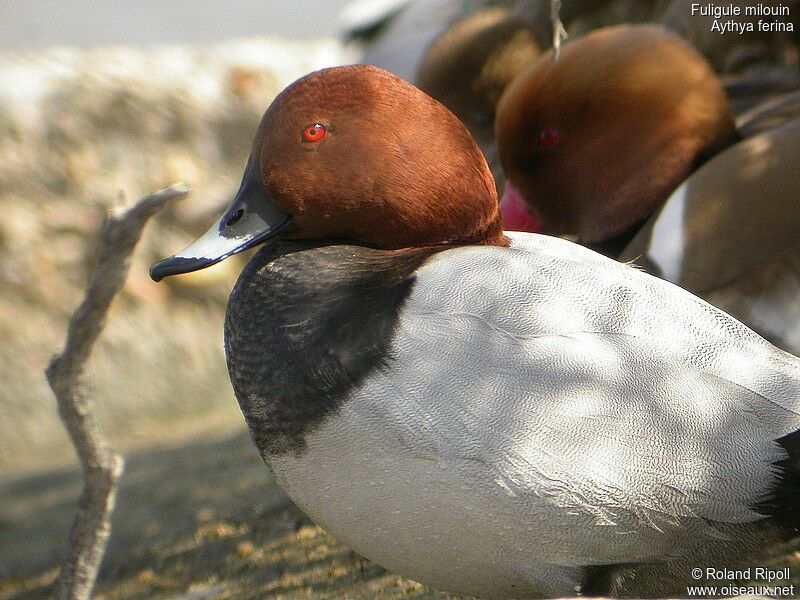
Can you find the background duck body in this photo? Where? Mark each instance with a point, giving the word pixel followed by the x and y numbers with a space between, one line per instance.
pixel 401 42
pixel 770 114
pixel 731 233
pixel 511 421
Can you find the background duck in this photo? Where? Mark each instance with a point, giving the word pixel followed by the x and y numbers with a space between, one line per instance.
pixel 630 152
pixel 469 66
pixel 474 59
pixel 398 42
pixel 595 141
pixel 569 423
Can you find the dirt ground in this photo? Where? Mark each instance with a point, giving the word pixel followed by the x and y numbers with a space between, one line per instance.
pixel 198 521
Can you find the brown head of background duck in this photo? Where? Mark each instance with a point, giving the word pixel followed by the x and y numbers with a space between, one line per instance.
pixel 596 140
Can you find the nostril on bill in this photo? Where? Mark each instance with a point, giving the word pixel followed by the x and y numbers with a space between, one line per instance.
pixel 234 218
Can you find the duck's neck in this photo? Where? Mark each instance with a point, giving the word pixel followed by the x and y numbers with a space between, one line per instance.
pixel 613 247
pixel 490 234
pixel 305 326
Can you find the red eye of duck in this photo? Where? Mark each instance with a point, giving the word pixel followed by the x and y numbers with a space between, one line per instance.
pixel 548 136
pixel 314 133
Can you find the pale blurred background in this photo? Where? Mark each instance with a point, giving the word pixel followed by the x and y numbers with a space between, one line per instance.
pixel 30 24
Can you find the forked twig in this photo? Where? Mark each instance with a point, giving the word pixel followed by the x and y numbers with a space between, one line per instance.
pixel 102 466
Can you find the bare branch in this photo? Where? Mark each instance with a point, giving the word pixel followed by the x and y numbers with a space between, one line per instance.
pixel 102 466
pixel 559 33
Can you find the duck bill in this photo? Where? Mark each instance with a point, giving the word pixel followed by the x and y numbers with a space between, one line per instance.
pixel 251 219
pixel 516 214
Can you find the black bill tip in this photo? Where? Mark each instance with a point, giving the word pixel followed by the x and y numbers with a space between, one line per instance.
pixel 176 265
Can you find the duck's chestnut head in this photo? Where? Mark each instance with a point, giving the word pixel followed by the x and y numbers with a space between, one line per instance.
pixel 359 155
pixel 596 140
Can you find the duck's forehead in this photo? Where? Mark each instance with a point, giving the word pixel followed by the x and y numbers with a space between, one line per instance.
pixel 361 90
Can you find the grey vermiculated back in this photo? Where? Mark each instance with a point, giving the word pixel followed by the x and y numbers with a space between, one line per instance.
pixel 670 410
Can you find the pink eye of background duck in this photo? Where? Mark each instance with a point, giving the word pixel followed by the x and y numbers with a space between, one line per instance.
pixel 314 133
pixel 548 136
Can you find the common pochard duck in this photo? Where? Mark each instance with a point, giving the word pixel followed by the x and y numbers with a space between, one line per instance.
pixel 595 141
pixel 497 415
pixel 474 60
pixel 595 160
pixel 472 63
